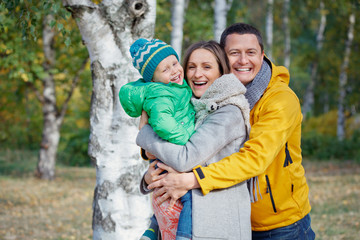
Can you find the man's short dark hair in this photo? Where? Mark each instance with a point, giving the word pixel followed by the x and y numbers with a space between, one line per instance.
pixel 241 28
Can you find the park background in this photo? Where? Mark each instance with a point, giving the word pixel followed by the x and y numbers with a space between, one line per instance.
pixel 322 55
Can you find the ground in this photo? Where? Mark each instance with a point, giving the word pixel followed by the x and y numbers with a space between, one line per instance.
pixel 62 209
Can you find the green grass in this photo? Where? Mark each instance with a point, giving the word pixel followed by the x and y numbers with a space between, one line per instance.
pixel 62 209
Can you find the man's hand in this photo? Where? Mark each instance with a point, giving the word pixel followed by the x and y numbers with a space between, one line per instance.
pixel 173 185
pixel 144 119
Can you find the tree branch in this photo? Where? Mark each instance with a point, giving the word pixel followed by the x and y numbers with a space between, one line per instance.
pixel 74 84
pixel 36 91
pixel 78 3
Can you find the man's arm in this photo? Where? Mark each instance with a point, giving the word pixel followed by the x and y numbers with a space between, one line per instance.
pixel 269 133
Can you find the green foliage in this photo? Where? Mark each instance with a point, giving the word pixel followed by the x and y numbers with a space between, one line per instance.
pixel 29 16
pixel 75 151
pixel 319 139
pixel 322 147
pixel 19 163
pixel 21 70
pixel 21 60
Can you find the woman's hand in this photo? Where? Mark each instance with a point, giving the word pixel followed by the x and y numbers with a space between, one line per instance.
pixel 144 119
pixel 173 185
pixel 153 174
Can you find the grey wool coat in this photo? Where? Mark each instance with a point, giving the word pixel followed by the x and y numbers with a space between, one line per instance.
pixel 222 127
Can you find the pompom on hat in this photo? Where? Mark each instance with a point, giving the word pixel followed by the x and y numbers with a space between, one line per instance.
pixel 146 55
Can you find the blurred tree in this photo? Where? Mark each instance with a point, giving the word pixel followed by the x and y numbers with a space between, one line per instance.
pixel 177 21
pixel 269 28
pixel 37 68
pixel 221 8
pixel 307 108
pixel 343 77
pixel 286 29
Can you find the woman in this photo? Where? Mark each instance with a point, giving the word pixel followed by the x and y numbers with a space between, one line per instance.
pixel 222 126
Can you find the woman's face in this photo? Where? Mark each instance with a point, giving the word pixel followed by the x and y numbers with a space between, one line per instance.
pixel 202 70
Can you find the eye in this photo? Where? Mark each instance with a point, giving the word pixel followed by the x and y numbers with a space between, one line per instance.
pixel 234 53
pixel 175 63
pixel 165 69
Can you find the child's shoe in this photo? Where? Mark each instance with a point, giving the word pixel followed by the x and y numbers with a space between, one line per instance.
pixel 149 234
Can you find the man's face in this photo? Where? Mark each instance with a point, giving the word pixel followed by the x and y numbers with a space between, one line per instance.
pixel 245 56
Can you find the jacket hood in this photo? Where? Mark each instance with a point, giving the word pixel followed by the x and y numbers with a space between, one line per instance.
pixel 279 73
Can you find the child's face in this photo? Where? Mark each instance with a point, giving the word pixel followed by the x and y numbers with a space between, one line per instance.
pixel 169 70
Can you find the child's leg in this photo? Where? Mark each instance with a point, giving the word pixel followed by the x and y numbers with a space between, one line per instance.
pixel 152 232
pixel 184 230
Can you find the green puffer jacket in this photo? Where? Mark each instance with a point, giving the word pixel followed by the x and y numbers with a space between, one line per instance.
pixel 170 111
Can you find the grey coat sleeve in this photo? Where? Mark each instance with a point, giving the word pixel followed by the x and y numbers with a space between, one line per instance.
pixel 218 129
pixel 143 186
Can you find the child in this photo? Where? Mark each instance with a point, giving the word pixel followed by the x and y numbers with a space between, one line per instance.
pixel 165 96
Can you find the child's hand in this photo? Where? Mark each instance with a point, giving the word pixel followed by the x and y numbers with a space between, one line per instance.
pixel 149 155
pixel 144 119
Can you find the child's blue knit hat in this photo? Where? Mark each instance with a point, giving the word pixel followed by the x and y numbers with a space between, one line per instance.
pixel 146 55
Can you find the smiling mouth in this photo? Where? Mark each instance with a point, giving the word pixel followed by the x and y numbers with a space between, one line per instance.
pixel 176 79
pixel 242 69
pixel 199 83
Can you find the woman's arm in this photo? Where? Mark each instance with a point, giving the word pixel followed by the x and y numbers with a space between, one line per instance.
pixel 218 129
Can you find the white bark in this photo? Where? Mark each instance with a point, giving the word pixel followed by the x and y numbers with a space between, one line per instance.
pixel 51 123
pixel 177 21
pixel 343 79
pixel 108 29
pixel 286 24
pixel 269 28
pixel 309 99
pixel 221 9
pixel 52 116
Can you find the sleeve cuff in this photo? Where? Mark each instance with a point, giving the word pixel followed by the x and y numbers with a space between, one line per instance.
pixel 143 154
pixel 143 186
pixel 200 176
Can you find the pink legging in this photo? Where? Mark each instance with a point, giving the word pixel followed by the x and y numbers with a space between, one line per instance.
pixel 167 220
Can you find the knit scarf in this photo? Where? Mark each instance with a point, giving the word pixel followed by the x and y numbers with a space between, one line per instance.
pixel 255 89
pixel 224 91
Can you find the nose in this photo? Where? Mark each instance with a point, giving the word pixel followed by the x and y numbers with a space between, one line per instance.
pixel 243 59
pixel 172 70
pixel 198 73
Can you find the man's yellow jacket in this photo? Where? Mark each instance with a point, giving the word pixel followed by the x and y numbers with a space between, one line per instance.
pixel 273 154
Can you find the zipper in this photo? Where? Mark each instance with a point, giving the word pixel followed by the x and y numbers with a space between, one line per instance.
pixel 288 159
pixel 268 190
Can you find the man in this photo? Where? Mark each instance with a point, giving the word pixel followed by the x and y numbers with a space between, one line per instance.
pixel 281 208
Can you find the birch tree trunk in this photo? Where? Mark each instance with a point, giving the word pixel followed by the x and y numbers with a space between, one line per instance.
pixel 108 29
pixel 221 9
pixel 52 116
pixel 286 27
pixel 269 28
pixel 343 79
pixel 177 21
pixel 309 99
pixel 51 124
